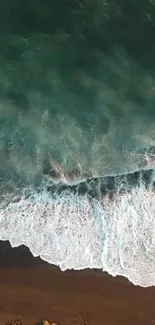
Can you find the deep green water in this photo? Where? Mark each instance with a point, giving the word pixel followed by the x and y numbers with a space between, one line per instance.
pixel 77 86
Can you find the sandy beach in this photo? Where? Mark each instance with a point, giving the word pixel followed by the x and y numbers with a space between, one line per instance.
pixel 31 290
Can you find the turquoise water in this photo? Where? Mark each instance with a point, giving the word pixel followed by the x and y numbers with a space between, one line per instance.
pixel 77 97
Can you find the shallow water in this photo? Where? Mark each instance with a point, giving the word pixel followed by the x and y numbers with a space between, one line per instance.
pixel 106 224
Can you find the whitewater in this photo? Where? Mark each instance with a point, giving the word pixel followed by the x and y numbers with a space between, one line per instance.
pixel 76 227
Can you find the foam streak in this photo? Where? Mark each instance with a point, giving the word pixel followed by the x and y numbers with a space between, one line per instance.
pixel 73 231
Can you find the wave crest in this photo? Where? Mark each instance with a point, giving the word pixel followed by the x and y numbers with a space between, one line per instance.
pixel 75 231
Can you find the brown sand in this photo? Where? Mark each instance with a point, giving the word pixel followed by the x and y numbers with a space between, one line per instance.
pixel 31 290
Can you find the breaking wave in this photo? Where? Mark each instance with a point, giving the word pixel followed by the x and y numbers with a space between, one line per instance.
pixel 106 223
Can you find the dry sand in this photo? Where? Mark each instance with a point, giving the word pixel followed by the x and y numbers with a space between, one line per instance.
pixel 31 290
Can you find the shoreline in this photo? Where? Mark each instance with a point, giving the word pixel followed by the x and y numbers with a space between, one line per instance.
pixel 31 289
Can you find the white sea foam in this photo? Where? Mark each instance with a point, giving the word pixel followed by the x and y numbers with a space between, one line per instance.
pixel 74 232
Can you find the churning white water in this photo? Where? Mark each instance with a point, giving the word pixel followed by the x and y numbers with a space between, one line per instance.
pixel 75 231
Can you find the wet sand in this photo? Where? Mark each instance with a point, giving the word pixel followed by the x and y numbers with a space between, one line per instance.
pixel 31 290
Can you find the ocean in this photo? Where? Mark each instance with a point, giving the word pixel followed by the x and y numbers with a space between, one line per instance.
pixel 77 133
